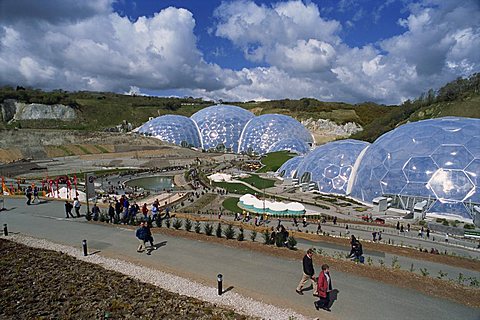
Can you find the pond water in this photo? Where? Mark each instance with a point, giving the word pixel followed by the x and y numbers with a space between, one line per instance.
pixel 153 183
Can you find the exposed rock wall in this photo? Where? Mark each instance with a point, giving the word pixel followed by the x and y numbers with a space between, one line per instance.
pixel 14 110
pixel 327 127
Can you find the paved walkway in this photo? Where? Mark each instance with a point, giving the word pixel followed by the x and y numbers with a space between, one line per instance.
pixel 252 274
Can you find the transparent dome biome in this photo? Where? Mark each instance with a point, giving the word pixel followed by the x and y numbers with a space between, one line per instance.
pixel 221 125
pixel 175 129
pixel 294 145
pixel 330 165
pixel 263 131
pixel 437 160
pixel 289 167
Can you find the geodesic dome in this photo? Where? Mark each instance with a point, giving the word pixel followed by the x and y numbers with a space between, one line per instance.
pixel 263 131
pixel 289 167
pixel 290 144
pixel 437 160
pixel 221 125
pixel 175 129
pixel 330 165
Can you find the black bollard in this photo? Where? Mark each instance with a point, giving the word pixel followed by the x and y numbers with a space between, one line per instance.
pixel 5 230
pixel 84 245
pixel 220 284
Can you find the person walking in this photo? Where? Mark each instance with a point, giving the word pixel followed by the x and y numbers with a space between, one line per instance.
pixel 68 209
pixel 324 288
pixel 308 273
pixel 35 194
pixel 141 236
pixel 76 206
pixel 28 194
pixel 111 212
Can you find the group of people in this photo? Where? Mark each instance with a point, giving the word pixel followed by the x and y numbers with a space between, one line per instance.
pixel 69 206
pixel 322 285
pixel 32 194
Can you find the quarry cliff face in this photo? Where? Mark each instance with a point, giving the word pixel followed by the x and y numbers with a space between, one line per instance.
pixel 11 110
pixel 327 127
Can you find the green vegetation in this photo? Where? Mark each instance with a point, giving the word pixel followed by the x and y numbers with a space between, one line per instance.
pixel 230 204
pixel 258 182
pixel 101 110
pixel 237 188
pixel 84 150
pixel 273 161
pixel 101 148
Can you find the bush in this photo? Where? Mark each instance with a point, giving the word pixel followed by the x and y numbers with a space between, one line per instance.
pixel 177 223
pixel 158 221
pixel 197 227
pixel 291 243
pixel 218 232
pixel 102 218
pixel 445 222
pixel 229 232
pixel 188 225
pixel 253 235
pixel 88 216
pixel 208 228
pixel 469 226
pixel 240 236
pixel 266 237
pixel 167 222
pixel 279 240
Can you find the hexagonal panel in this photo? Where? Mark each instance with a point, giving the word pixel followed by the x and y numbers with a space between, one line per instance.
pixel 453 185
pixel 446 208
pixel 419 169
pixel 452 157
pixel 473 171
pixel 331 171
pixel 393 182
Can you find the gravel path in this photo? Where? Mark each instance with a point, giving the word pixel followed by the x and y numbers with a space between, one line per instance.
pixel 169 282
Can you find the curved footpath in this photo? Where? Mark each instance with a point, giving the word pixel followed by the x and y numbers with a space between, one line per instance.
pixel 251 274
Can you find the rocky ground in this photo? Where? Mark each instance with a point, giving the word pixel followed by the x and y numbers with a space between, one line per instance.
pixel 43 284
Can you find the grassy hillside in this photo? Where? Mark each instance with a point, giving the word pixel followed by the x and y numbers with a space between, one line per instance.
pixel 102 110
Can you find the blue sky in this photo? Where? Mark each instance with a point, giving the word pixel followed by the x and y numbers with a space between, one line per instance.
pixel 239 50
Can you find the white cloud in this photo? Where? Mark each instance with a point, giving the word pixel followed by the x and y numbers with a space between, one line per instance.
pixel 86 46
pixel 440 43
pixel 103 51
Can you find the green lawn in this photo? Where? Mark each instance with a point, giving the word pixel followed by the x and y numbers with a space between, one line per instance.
pixel 230 204
pixel 273 161
pixel 258 182
pixel 237 188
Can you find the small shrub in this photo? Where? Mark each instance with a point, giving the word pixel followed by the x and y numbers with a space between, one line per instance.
pixel 424 272
pixel 461 278
pixel 167 222
pixel 188 225
pixel 469 226
pixel 197 227
pixel 474 282
pixel 441 274
pixel 369 261
pixel 395 264
pixel 422 222
pixel 208 229
pixel 241 235
pixel 88 216
pixel 158 221
pixel 381 262
pixel 229 232
pixel 253 235
pixel 177 223
pixel 218 232
pixel 279 240
pixel 102 218
pixel 291 243
pixel 266 236
pixel 445 222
